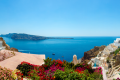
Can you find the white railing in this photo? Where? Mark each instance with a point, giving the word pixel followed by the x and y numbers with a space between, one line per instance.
pixel 104 73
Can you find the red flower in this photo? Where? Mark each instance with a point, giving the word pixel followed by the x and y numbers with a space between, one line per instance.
pixel 59 62
pixel 79 71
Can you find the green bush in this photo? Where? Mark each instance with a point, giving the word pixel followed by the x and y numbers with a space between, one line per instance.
pixel 116 51
pixel 119 48
pixel 34 75
pixel 24 68
pixel 48 62
pixel 68 65
pixel 78 65
pixel 68 74
pixel 58 70
pixel 96 76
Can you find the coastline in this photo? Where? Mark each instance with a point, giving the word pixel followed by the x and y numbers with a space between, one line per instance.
pixel 61 48
pixel 33 58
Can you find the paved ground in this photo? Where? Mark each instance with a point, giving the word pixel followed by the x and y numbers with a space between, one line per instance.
pixel 104 74
pixel 14 61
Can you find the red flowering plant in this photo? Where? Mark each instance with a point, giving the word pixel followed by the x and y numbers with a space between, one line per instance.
pixel 84 66
pixel 80 69
pixel 52 69
pixel 46 71
pixel 98 70
pixel 47 78
pixel 39 73
pixel 55 69
pixel 59 62
pixel 22 63
pixel 34 72
pixel 48 62
pixel 25 67
pixel 19 75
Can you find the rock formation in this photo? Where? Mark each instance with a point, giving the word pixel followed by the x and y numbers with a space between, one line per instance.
pixel 91 53
pixel 4 44
pixel 7 46
pixel 14 49
pixel 117 62
pixel 75 61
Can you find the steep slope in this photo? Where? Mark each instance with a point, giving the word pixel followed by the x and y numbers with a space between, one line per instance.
pixel 91 53
pixel 7 46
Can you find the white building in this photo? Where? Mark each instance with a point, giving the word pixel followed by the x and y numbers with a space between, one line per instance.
pixel 1 47
pixel 117 42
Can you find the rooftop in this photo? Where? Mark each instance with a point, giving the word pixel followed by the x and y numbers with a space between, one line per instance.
pixel 20 57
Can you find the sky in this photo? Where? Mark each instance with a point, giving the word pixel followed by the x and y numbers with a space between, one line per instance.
pixel 60 17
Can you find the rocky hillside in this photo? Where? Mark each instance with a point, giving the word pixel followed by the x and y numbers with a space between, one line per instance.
pixel 114 57
pixel 7 46
pixel 91 53
pixel 4 44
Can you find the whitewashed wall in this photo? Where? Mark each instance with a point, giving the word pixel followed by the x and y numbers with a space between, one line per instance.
pixel 0 44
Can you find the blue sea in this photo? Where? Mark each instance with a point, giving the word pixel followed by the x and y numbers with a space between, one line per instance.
pixel 61 47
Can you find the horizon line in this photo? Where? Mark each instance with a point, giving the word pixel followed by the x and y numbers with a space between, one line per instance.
pixel 67 36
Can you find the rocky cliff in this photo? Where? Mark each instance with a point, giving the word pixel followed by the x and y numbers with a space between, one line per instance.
pixel 4 44
pixel 117 60
pixel 91 53
pixel 7 46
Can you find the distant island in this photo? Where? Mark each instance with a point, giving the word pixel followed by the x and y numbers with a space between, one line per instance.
pixel 22 36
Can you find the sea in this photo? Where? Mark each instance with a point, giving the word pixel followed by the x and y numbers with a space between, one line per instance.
pixel 63 49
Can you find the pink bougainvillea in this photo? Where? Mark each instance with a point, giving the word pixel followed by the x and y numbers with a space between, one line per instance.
pixel 98 70
pixel 46 72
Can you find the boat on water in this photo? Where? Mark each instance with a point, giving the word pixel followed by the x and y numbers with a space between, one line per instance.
pixel 53 53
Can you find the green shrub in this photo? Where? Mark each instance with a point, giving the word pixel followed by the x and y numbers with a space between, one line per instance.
pixel 116 51
pixel 85 65
pixel 34 75
pixel 24 68
pixel 68 65
pixel 119 48
pixel 68 74
pixel 96 76
pixel 78 65
pixel 48 62
pixel 58 70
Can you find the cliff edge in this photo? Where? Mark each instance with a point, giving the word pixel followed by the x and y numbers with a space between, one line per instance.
pixel 7 46
pixel 91 53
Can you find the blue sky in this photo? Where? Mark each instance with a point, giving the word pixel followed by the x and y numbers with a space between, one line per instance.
pixel 60 17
